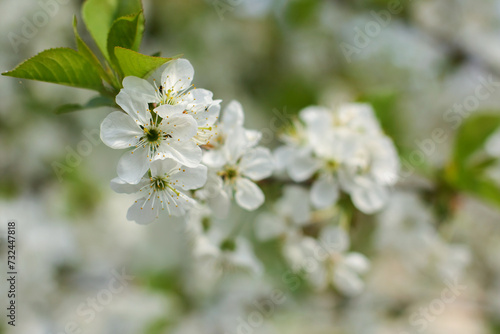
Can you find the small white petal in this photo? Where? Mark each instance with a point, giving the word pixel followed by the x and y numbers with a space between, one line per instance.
pixel 179 127
pixel 142 212
pixel 369 199
pixel 302 165
pixel 170 110
pixel 233 116
pixel 248 195
pixel 357 262
pixel 186 153
pixel 189 178
pixel 177 75
pixel 132 166
pixel 136 108
pixel 120 131
pixel 324 192
pixel 139 89
pixel 122 187
pixel 257 164
pixel 214 158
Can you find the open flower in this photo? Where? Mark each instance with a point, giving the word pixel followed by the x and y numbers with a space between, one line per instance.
pixel 232 121
pixel 175 94
pixel 326 261
pixel 150 137
pixel 236 161
pixel 242 166
pixel 163 191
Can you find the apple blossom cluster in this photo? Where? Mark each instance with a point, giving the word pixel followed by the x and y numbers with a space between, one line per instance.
pixel 340 150
pixel 174 143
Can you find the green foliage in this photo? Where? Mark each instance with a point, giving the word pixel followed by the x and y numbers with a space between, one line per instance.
pixel 62 66
pixel 137 64
pixel 100 15
pixel 125 32
pixel 467 168
pixel 86 52
pixel 117 26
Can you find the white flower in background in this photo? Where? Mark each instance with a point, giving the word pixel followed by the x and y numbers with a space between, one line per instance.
pixel 406 225
pixel 237 161
pixel 326 262
pixel 220 253
pixel 175 94
pixel 343 150
pixel 214 196
pixel 290 211
pixel 150 137
pixel 163 191
pixel 232 121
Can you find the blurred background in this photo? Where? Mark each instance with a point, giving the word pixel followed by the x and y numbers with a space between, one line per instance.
pixel 413 60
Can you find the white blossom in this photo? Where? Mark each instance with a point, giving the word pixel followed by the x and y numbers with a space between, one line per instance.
pixel 163 191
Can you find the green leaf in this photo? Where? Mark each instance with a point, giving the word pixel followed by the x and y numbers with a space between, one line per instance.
pixel 96 102
pixel 99 16
pixel 137 64
pixel 126 32
pixel 61 66
pixel 472 136
pixel 465 172
pixel 85 51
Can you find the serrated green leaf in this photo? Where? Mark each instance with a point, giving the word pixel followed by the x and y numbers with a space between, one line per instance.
pixel 85 51
pixel 96 102
pixel 62 66
pixel 136 64
pixel 126 32
pixel 99 16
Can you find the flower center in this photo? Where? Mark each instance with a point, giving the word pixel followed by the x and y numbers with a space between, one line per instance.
pixel 229 174
pixel 159 183
pixel 152 134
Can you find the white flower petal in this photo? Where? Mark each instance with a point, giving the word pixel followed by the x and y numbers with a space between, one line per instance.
pixel 295 205
pixel 369 199
pixel 142 212
pixel 235 146
pixel 139 89
pixel 119 131
pixel 302 165
pixel 189 178
pixel 347 281
pixel 283 156
pixel 357 262
pixel 179 127
pixel 233 116
pixel 170 110
pixel 214 158
pixel 133 165
pixel 122 187
pixel 257 164
pixel 334 239
pixel 177 75
pixel 137 109
pixel 248 194
pixel 164 167
pixel 324 192
pixel 186 153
